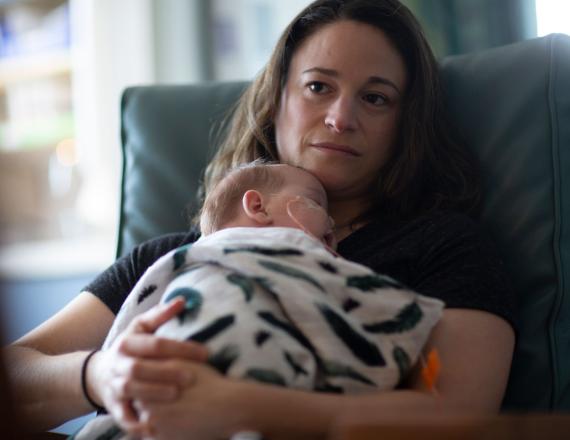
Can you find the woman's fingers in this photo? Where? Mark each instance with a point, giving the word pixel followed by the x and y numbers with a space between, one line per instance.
pixel 138 340
pixel 128 419
pixel 163 371
pixel 131 376
pixel 148 391
pixel 140 365
pixel 150 380
pixel 149 346
pixel 149 321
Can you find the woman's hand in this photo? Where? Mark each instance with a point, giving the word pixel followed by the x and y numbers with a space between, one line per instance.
pixel 140 365
pixel 209 409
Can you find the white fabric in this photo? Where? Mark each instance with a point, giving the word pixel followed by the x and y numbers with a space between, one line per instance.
pixel 295 290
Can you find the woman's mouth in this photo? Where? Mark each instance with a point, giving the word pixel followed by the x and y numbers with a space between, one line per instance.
pixel 336 148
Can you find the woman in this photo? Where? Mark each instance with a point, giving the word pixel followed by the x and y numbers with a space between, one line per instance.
pixel 351 94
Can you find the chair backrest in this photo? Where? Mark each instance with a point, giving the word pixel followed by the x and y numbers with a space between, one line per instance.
pixel 512 107
pixel 167 134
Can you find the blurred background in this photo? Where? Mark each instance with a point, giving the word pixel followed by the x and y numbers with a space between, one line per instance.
pixel 63 66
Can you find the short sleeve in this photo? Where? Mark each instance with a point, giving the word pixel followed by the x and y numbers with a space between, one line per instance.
pixel 113 285
pixel 459 264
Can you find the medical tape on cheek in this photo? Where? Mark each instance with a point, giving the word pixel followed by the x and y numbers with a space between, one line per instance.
pixel 310 204
pixel 292 216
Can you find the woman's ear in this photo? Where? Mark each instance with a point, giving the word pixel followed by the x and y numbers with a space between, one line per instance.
pixel 254 207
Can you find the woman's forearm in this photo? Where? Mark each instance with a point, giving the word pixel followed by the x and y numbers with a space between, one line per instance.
pixel 475 350
pixel 281 413
pixel 45 367
pixel 47 388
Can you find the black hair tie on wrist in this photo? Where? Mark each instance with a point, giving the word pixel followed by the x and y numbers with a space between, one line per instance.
pixel 84 382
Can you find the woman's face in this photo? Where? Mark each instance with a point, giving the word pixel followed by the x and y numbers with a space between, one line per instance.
pixel 339 110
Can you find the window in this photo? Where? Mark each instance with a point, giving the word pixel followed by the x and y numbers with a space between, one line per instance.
pixel 552 17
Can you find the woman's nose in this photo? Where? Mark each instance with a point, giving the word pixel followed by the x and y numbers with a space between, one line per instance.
pixel 341 116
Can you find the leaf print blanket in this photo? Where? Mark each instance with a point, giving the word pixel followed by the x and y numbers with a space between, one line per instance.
pixel 273 305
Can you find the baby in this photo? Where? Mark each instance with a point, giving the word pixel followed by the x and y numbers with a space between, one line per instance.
pixel 268 295
pixel 263 287
pixel 263 195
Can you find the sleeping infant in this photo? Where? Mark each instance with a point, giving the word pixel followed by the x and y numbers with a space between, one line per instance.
pixel 267 294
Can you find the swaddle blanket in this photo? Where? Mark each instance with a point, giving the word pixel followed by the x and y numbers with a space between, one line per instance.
pixel 273 305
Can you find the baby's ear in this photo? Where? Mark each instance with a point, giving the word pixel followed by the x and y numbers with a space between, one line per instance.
pixel 254 207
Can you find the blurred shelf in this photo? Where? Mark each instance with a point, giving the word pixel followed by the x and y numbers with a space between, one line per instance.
pixel 34 66
pixel 56 259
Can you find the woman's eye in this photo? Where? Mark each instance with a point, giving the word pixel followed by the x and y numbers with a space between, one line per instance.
pixel 376 99
pixel 317 87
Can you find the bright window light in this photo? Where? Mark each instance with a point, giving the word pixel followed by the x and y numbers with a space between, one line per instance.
pixel 552 16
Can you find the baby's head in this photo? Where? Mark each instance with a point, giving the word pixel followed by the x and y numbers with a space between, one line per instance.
pixel 258 195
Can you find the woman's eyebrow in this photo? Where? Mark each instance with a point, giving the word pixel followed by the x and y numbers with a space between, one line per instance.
pixel 385 81
pixel 371 79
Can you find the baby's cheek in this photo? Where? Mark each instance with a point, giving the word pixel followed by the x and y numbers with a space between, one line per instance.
pixel 309 216
pixel 317 221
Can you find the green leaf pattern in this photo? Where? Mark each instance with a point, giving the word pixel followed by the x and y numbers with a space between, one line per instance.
pixel 404 321
pixel 284 272
pixel 291 272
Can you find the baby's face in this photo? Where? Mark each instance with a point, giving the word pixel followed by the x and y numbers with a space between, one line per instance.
pixel 302 203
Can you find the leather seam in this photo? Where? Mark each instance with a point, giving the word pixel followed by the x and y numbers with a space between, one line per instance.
pixel 556 243
pixel 124 139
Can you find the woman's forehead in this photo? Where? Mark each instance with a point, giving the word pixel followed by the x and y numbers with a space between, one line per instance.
pixel 350 49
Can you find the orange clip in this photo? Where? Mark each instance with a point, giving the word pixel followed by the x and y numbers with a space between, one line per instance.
pixel 430 370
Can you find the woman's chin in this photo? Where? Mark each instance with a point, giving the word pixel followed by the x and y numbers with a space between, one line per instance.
pixel 336 185
pixel 343 187
pixel 336 178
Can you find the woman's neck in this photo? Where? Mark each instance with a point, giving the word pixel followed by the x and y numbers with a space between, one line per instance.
pixel 344 212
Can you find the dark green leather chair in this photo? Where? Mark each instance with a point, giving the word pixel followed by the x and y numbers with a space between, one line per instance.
pixel 512 106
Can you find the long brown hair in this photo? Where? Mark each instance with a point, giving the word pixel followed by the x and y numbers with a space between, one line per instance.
pixel 427 169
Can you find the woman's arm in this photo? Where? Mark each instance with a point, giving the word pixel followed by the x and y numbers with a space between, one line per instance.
pixel 475 349
pixel 45 365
